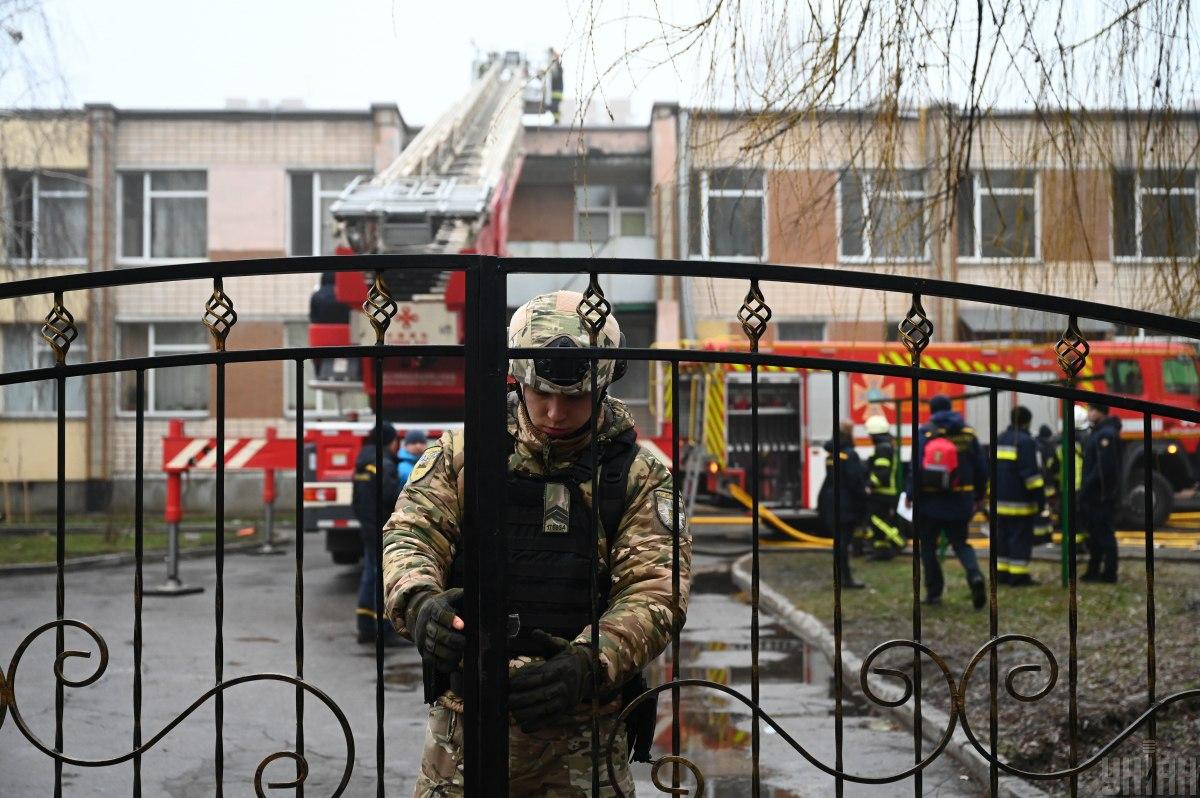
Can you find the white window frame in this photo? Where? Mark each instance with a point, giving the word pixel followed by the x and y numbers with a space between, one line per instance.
pixel 148 195
pixel 867 179
pixel 35 258
pixel 614 211
pixel 1138 190
pixel 318 194
pixel 152 350
pixel 39 346
pixel 706 192
pixel 289 379
pixel 977 179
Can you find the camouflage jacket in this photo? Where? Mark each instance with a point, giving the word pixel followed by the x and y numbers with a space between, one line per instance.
pixel 420 538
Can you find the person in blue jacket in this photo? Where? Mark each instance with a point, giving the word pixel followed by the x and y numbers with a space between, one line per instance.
pixel 1020 498
pixel 415 442
pixel 947 509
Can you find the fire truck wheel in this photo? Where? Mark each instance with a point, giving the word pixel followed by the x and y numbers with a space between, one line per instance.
pixel 1133 511
pixel 345 557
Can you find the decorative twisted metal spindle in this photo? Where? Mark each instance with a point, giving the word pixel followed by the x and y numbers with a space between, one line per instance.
pixel 594 309
pixel 59 329
pixel 916 330
pixel 379 307
pixel 219 315
pixel 754 315
pixel 1072 349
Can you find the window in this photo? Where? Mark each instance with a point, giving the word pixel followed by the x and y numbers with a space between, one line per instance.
pixel 316 403
pixel 997 216
pixel 802 330
pixel 24 349
pixel 1154 214
pixel 883 216
pixel 1123 376
pixel 604 212
pixel 163 215
pixel 47 216
pixel 727 214
pixel 314 231
pixel 168 390
pixel 1179 376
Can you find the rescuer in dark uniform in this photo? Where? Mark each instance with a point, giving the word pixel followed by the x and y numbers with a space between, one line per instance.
pixel 1020 496
pixel 850 499
pixel 362 501
pixel 886 538
pixel 1098 493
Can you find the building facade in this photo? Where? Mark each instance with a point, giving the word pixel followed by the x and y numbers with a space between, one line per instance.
pixel 1106 212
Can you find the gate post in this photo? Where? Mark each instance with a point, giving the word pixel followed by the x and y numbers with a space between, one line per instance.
pixel 485 732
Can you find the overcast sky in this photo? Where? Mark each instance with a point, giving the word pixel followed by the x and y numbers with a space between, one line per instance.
pixel 418 53
pixel 345 54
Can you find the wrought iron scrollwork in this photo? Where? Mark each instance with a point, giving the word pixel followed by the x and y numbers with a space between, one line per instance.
pixel 219 315
pixel 379 307
pixel 1051 680
pixel 1072 349
pixel 916 330
pixel 958 714
pixel 9 706
pixel 785 736
pixel 594 309
pixel 59 331
pixel 754 314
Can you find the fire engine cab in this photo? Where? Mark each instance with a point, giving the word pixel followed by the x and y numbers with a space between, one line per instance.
pixel 449 191
pixel 796 417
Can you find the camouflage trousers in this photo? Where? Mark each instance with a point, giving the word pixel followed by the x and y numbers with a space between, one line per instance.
pixel 551 763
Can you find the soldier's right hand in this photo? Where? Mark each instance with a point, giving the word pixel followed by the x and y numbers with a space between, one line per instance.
pixel 437 630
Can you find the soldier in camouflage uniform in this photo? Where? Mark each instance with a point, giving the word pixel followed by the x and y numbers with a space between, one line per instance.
pixel 551 670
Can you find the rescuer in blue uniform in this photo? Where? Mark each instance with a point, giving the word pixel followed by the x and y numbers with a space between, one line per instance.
pixel 1098 493
pixel 362 500
pixel 1020 497
pixel 947 509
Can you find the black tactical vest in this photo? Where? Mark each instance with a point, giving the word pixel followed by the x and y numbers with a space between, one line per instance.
pixel 550 551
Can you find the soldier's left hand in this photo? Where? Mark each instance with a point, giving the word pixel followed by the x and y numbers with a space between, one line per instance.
pixel 540 693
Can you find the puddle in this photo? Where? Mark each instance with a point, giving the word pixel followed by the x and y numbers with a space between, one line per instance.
pixel 403 678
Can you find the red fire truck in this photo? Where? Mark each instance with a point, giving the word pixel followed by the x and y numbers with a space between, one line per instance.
pixel 449 191
pixel 796 416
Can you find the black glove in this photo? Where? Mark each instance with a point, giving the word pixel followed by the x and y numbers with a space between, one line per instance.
pixel 431 624
pixel 541 693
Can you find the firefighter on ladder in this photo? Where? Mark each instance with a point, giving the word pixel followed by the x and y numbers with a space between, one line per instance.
pixel 886 537
pixel 1020 497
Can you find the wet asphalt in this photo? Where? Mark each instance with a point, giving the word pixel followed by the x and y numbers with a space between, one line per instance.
pixel 260 717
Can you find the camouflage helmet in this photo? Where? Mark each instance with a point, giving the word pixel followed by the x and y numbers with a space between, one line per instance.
pixel 553 320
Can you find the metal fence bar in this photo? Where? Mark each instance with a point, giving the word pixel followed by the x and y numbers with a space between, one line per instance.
pixel 1072 605
pixel 839 556
pixel 993 606
pixel 675 626
pixel 1151 652
pixel 376 540
pixel 915 393
pixel 298 536
pixel 485 730
pixel 593 569
pixel 219 590
pixel 139 447
pixel 60 557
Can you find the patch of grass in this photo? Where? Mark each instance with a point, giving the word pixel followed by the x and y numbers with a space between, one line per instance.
pixel 41 547
pixel 1111 645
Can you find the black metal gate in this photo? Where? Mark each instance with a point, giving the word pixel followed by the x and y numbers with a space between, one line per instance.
pixel 486 665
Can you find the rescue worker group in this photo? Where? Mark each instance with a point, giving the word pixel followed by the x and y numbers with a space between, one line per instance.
pixel 559 682
pixel 875 507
